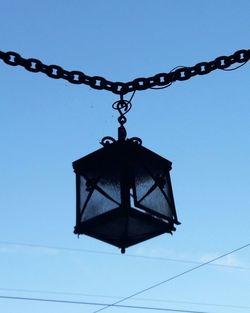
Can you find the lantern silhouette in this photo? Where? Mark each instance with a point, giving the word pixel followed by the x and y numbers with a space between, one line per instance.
pixel 123 193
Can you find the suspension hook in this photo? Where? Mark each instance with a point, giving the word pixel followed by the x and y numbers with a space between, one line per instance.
pixel 122 106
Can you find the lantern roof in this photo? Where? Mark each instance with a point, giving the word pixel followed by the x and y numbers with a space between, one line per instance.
pixel 129 151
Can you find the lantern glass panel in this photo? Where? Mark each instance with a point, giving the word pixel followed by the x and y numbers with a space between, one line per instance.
pixel 97 205
pixel 153 191
pixel 99 195
pixel 111 186
pixel 157 201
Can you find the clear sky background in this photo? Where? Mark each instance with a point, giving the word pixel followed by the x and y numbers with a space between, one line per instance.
pixel 201 125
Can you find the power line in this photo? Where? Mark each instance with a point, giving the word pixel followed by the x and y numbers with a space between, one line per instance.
pixel 173 277
pixel 29 245
pixel 116 304
pixel 119 297
pixel 101 304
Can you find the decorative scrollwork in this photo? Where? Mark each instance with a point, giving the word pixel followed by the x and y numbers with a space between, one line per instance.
pixel 107 141
pixel 136 140
pixel 122 106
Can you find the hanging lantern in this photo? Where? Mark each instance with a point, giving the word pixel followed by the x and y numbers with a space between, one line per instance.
pixel 123 191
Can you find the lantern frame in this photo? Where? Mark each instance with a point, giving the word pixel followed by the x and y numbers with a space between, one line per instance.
pixel 133 174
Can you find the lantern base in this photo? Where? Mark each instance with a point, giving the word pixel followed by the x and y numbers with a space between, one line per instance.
pixel 124 228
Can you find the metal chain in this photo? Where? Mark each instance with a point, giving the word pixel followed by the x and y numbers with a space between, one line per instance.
pixel 121 88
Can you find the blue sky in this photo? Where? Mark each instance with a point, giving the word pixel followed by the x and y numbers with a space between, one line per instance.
pixel 201 125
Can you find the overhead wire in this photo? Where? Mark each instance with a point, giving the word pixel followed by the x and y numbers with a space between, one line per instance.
pixel 100 304
pixel 234 68
pixel 173 277
pixel 159 300
pixel 178 260
pixel 169 84
pixel 117 303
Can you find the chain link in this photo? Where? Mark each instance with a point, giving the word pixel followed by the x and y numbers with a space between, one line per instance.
pixel 121 88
